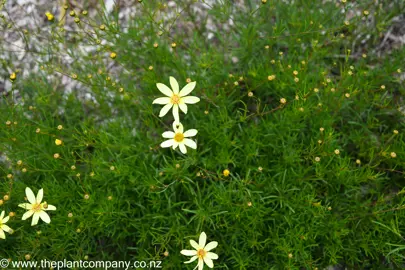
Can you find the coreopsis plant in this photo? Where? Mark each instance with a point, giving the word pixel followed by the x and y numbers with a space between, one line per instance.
pixel 3 226
pixel 201 252
pixel 36 208
pixel 174 98
pixel 179 138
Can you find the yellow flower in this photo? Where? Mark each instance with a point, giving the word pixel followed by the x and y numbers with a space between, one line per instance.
pixel 35 208
pixel 3 227
pixel 226 172
pixel 179 138
pixel 201 252
pixel 58 142
pixel 175 98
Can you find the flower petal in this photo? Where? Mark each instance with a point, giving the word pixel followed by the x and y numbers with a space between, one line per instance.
pixel 50 207
pixel 168 135
pixel 192 259
pixel 167 143
pixel 190 143
pixel 164 89
pixel 202 240
pixel 30 195
pixel 183 148
pixel 5 219
pixel 187 89
pixel 175 144
pixel 165 109
pixel 162 100
pixel 174 84
pixel 200 264
pixel 27 215
pixel 190 133
pixel 40 195
pixel 26 206
pixel 35 219
pixel 2 235
pixel 209 262
pixel 176 113
pixel 190 100
pixel 187 252
pixel 194 244
pixel 5 228
pixel 2 214
pixel 211 245
pixel 178 127
pixel 45 217
pixel 183 107
pixel 212 255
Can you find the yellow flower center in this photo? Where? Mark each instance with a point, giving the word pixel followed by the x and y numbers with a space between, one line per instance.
pixel 201 253
pixel 37 207
pixel 175 99
pixel 179 137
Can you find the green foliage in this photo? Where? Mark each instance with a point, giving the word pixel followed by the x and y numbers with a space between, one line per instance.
pixel 279 208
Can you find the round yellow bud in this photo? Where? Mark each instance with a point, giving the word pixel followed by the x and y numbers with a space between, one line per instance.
pixel 13 76
pixel 49 16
